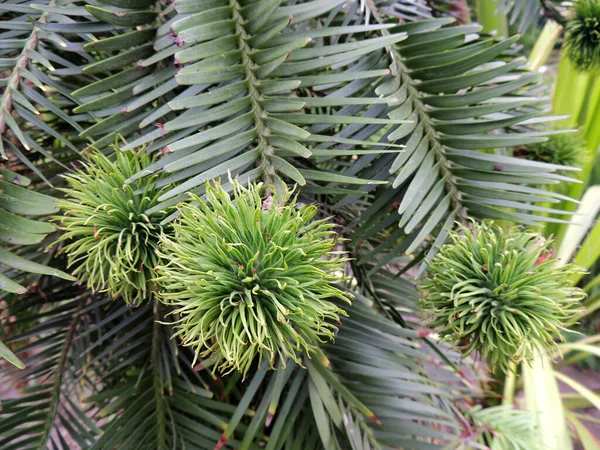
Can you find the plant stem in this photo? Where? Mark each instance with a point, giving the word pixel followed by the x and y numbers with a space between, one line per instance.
pixel 491 19
pixel 259 114
pixel 508 396
pixel 544 45
pixel 592 122
pixel 570 91
pixel 542 397
pixel 571 95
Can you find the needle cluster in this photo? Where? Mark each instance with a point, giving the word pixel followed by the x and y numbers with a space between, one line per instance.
pixel 250 277
pixel 499 293
pixel 582 40
pixel 111 239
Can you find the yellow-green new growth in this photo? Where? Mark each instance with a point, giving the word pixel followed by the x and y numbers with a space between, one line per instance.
pixel 499 293
pixel 250 277
pixel 111 239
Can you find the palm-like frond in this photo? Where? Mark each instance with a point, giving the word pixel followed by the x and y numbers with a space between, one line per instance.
pixel 153 399
pixel 149 397
pixel 504 427
pixel 376 387
pixel 243 111
pixel 466 95
pixel 112 78
pixel 402 11
pixel 521 14
pixel 16 200
pixel 20 268
pixel 32 119
pixel 240 87
pixel 146 402
pixel 247 115
pixel 48 413
pixel 32 102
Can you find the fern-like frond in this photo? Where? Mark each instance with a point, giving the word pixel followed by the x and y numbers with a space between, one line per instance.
pixel 375 388
pixel 153 399
pixel 147 405
pixel 32 101
pixel 523 14
pixel 85 59
pixel 15 201
pixel 48 413
pixel 16 231
pixel 504 427
pixel 228 86
pixel 124 70
pixel 244 110
pixel 464 97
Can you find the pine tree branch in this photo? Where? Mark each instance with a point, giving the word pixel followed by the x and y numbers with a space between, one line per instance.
pixel 419 107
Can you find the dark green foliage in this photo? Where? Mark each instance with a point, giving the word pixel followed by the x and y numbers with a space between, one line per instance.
pixel 561 149
pixel 56 314
pixel 582 40
pixel 16 200
pixel 250 277
pixel 376 110
pixel 499 293
pixel 112 239
pixel 459 97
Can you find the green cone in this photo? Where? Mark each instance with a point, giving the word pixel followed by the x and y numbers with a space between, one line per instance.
pixel 111 241
pixel 499 293
pixel 250 278
pixel 582 40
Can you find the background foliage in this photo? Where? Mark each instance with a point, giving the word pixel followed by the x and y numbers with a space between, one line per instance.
pixel 398 119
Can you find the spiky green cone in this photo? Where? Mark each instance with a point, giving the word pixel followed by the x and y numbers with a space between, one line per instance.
pixel 582 40
pixel 567 149
pixel 250 278
pixel 111 241
pixel 499 293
